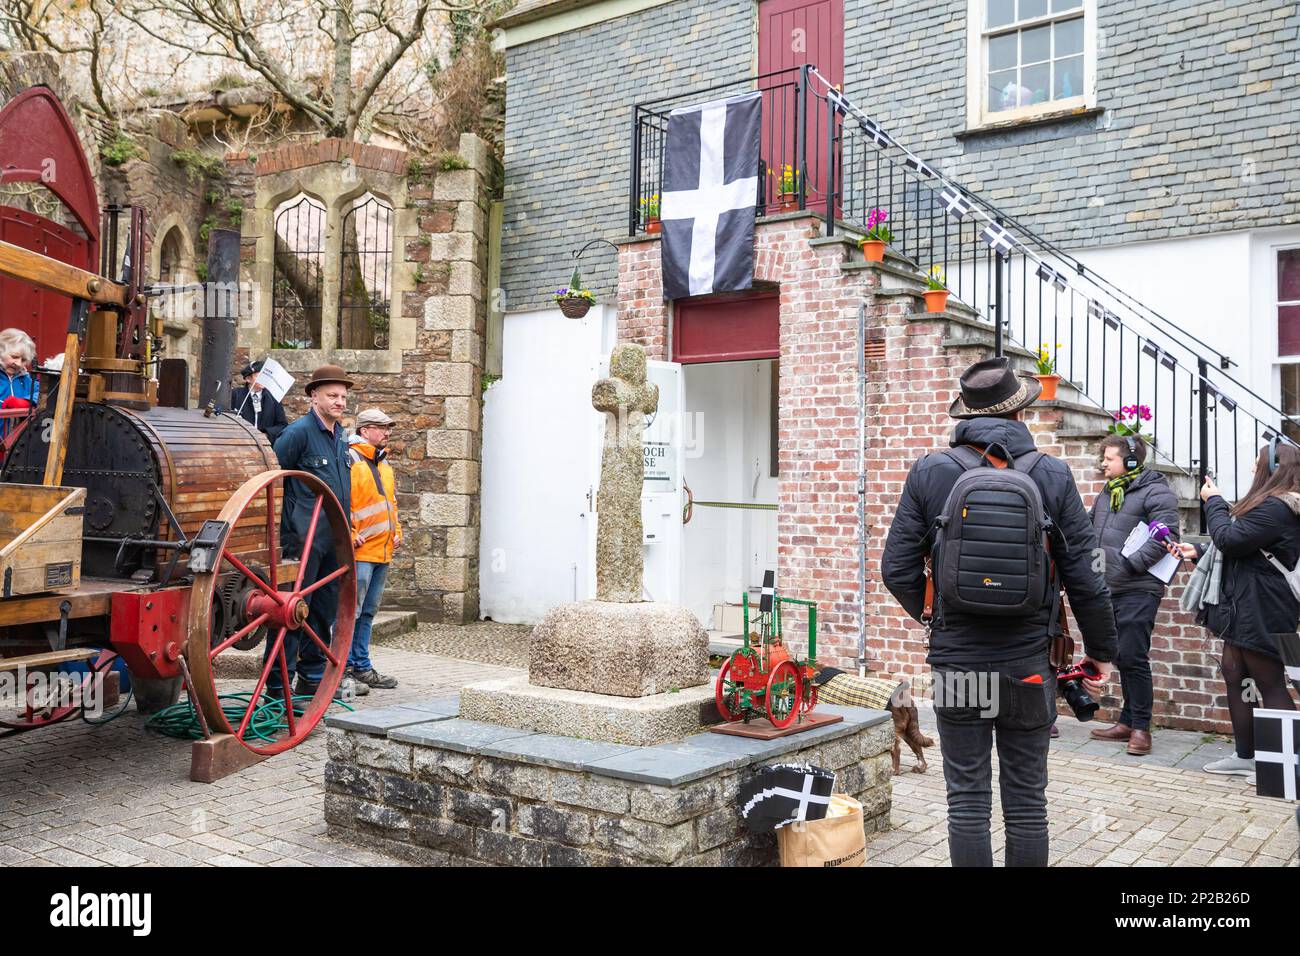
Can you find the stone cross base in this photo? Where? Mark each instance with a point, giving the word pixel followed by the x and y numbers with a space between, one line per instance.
pixel 626 650
pixel 428 786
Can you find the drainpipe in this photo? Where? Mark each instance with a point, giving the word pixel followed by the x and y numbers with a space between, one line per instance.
pixel 862 490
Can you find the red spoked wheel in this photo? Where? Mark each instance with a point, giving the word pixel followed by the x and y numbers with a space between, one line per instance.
pixel 810 697
pixel 274 602
pixel 784 693
pixel 731 680
pixel 57 704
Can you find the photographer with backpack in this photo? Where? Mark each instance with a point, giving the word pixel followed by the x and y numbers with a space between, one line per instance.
pixel 982 514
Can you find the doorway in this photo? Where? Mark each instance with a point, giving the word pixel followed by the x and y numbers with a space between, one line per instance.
pixel 731 470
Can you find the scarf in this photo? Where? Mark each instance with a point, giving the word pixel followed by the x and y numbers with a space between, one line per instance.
pixel 1116 487
pixel 1203 586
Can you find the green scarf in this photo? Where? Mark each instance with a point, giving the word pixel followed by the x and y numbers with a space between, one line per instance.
pixel 1116 487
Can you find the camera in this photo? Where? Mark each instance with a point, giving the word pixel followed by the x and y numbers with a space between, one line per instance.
pixel 1069 682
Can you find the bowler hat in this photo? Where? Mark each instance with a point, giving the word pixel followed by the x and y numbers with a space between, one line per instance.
pixel 991 387
pixel 327 375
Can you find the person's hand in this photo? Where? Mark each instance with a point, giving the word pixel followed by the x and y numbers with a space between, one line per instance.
pixel 1181 549
pixel 397 542
pixel 1209 489
pixel 357 541
pixel 1094 687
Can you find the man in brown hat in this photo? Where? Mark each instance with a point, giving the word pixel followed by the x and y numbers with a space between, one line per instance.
pixel 317 444
pixel 986 541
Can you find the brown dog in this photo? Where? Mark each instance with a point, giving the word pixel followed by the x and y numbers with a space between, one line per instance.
pixel 834 686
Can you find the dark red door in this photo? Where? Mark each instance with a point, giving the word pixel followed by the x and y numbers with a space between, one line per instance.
pixel 790 34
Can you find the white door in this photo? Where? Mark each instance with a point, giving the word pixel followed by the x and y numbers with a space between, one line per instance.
pixel 661 495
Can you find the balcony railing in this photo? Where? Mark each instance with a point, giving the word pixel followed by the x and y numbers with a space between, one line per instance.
pixel 1116 350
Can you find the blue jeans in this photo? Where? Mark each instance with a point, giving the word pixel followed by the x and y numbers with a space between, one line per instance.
pixel 370 588
pixel 1019 715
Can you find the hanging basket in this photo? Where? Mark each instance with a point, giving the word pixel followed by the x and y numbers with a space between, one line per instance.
pixel 574 306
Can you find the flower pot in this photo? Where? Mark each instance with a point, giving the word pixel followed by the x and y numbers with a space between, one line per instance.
pixel 874 250
pixel 653 226
pixel 936 300
pixel 787 202
pixel 1049 386
pixel 574 306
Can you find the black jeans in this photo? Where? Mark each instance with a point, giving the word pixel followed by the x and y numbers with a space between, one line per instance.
pixel 302 654
pixel 1135 616
pixel 1019 715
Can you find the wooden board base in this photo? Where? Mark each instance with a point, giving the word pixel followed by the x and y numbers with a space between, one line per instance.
pixel 219 756
pixel 762 729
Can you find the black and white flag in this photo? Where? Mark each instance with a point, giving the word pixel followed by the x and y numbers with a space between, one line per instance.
pixel 998 239
pixel 769 592
pixel 1288 647
pixel 954 202
pixel 1277 766
pixel 878 135
pixel 911 162
pixel 710 190
pixel 1052 277
pixel 785 793
pixel 1099 311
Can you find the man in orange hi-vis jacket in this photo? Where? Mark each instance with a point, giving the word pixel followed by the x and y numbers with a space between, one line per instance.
pixel 376 534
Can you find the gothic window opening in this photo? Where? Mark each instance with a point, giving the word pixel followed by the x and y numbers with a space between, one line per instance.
pixel 365 270
pixel 297 289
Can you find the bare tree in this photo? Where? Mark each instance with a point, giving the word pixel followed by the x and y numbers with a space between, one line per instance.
pixel 357 45
pixel 71 30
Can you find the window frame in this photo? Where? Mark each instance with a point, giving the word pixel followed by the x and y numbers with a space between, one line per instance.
pixel 978 116
pixel 1275 303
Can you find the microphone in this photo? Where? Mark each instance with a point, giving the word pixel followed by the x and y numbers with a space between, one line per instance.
pixel 1159 531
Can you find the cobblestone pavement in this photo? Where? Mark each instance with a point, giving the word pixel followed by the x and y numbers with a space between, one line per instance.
pixel 119 795
pixel 1109 809
pixel 484 641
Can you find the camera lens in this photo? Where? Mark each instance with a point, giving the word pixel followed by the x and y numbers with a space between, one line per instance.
pixel 1082 705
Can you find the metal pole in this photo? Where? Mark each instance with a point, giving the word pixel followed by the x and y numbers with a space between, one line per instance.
pixel 800 139
pixel 862 490
pixel 1203 401
pixel 830 168
pixel 220 312
pixel 634 173
pixel 997 302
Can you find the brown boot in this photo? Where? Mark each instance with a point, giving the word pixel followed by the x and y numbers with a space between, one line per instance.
pixel 1113 732
pixel 1139 745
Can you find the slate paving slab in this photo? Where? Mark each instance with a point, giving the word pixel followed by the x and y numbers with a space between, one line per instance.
pixel 661 765
pixel 380 721
pixel 551 750
pixel 455 733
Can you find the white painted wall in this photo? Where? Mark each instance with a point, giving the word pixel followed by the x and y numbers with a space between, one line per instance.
pixel 539 430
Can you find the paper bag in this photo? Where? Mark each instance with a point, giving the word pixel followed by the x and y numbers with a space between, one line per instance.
pixel 836 840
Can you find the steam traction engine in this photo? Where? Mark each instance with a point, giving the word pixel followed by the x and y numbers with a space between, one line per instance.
pixel 128 529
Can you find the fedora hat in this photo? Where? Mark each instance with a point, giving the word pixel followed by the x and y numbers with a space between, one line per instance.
pixel 991 387
pixel 326 375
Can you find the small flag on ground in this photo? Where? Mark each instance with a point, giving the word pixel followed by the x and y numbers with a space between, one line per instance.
pixel 1052 277
pixel 954 203
pixel 785 793
pixel 1277 767
pixel 710 191
pixel 1288 648
pixel 998 239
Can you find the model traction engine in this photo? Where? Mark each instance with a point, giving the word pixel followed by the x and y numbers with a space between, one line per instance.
pixel 763 678
pixel 129 529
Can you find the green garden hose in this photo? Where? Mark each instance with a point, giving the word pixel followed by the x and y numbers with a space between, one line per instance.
pixel 182 721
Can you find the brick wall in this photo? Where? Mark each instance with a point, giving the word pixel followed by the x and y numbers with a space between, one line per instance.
pixel 908 393
pixel 1196 93
pixel 430 381
pixel 569 106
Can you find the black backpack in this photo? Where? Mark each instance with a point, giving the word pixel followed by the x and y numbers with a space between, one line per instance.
pixel 991 540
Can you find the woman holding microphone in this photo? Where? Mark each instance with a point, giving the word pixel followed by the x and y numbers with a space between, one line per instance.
pixel 1255 602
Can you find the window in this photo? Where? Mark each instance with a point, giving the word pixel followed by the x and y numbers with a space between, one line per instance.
pixel 296 295
pixel 364 293
pixel 1288 336
pixel 1029 58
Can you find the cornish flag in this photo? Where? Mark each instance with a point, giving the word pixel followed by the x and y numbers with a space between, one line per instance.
pixel 709 194
pixel 1277 743
pixel 785 793
pixel 1289 647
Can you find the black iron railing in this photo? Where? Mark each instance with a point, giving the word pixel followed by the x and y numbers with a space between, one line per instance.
pixel 1115 350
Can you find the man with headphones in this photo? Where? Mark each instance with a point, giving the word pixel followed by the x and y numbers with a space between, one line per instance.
pixel 1132 493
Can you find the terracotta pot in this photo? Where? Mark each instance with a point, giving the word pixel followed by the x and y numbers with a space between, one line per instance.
pixel 653 226
pixel 936 300
pixel 874 250
pixel 1049 386
pixel 787 202
pixel 574 306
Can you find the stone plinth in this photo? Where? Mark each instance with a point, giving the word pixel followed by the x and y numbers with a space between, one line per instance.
pixel 419 782
pixel 626 650
pixel 636 721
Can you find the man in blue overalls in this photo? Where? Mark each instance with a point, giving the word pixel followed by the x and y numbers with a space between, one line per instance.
pixel 317 444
